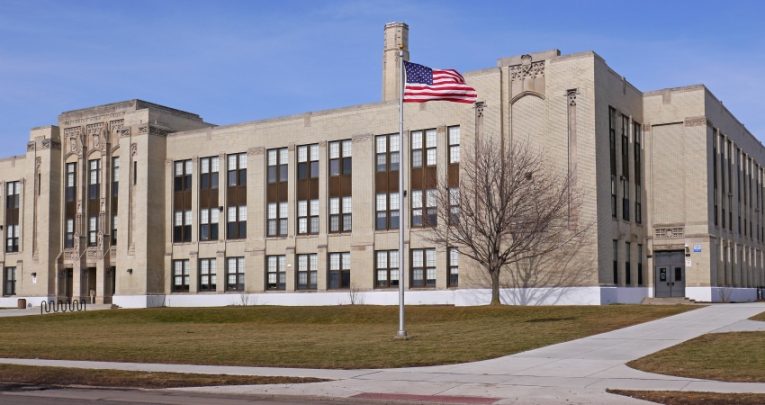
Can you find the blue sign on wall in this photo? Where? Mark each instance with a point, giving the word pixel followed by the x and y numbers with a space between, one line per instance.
pixel 697 248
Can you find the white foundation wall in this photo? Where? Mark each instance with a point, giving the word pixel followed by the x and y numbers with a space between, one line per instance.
pixel 459 297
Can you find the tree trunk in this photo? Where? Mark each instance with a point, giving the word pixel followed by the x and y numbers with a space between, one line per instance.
pixel 495 288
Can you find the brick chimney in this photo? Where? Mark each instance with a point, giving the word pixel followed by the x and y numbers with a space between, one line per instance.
pixel 396 38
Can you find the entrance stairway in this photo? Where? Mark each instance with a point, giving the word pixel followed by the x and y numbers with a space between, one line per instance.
pixel 668 301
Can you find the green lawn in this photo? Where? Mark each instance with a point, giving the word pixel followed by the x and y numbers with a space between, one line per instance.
pixel 326 337
pixel 736 356
pixel 15 374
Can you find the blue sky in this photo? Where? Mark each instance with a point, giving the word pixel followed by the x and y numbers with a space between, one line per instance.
pixel 234 61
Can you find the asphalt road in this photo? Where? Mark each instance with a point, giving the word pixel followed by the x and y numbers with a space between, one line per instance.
pixel 34 395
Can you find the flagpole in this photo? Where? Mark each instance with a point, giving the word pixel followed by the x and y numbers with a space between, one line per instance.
pixel 402 217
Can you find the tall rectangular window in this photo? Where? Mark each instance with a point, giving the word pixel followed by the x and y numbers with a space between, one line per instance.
pixel 236 193
pixel 612 156
pixel 640 264
pixel 115 177
pixel 115 197
pixel 387 209
pixel 276 275
pixel 453 268
pixel 235 274
pixel 340 214
pixel 627 263
pixel 307 271
pixel 339 276
pixel 209 211
pixel 308 189
pixel 208 275
pixel 92 231
pixel 115 225
pixel 276 192
pixel 386 268
pixel 237 222
pixel 94 179
pixel 423 268
pixel 340 186
pixel 9 281
pixel 70 183
pixel 12 216
pixel 625 200
pixel 637 134
pixel 277 219
pixel 180 275
pixel 453 174
pixel 625 167
pixel 616 262
pixel 387 153
pixel 69 233
pixel 423 179
pixel 308 217
pixel 182 218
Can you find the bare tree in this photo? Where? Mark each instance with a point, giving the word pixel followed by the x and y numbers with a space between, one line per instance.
pixel 511 209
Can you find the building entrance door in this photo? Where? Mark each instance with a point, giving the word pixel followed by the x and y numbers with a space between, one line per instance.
pixel 669 269
pixel 65 282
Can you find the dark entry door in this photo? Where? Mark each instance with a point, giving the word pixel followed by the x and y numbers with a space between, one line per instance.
pixel 65 284
pixel 669 268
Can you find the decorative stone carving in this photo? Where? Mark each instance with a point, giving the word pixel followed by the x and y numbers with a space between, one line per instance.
pixel 571 95
pixel 94 128
pixel 124 132
pixel 73 131
pixel 116 125
pixel 695 121
pixel 30 146
pixel 74 145
pixel 133 149
pixel 143 129
pixel 479 106
pixel 158 131
pixel 527 69
pixel 45 143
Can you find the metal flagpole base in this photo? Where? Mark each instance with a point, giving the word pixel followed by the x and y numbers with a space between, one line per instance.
pixel 401 335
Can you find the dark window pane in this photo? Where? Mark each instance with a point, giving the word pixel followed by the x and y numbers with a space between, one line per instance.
pixel 271 174
pixel 283 172
pixel 315 169
pixel 347 166
pixel 232 178
pixel 334 167
pixel 302 171
pixel 381 166
pixel 243 177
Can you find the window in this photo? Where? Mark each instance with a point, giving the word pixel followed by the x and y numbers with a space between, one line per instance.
pixel 93 231
pixel 386 268
pixel 208 223
pixel 94 179
pixel 340 214
pixel 339 270
pixel 453 269
pixel 237 170
pixel 235 274
pixel 276 192
pixel 625 199
pixel 423 268
pixel 340 158
pixel 612 156
pixel 424 208
pixel 115 224
pixel 115 176
pixel 640 264
pixel 387 208
pixel 616 262
pixel 454 206
pixel 627 269
pixel 237 222
pixel 9 281
pixel 209 173
pixel 180 275
pixel 277 219
pixel 308 161
pixel 308 217
pixel 182 226
pixel 182 179
pixel 307 272
pixel 70 184
pixel 276 277
pixel 12 216
pixel 454 144
pixel 387 156
pixel 207 275
pixel 340 186
pixel 182 219
pixel 277 165
pixel 424 150
pixel 637 134
pixel 69 233
pixel 625 146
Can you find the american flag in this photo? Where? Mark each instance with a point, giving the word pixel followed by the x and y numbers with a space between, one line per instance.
pixel 426 84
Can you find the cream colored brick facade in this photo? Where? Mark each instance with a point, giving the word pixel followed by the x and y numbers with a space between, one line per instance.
pixel 559 103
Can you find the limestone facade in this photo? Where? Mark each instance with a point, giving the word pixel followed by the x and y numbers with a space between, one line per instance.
pixel 116 202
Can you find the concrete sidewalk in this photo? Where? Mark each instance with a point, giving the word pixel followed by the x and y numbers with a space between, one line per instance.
pixel 576 372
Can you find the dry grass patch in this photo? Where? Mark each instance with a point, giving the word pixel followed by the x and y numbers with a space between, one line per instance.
pixel 735 356
pixel 15 374
pixel 693 398
pixel 759 317
pixel 320 337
